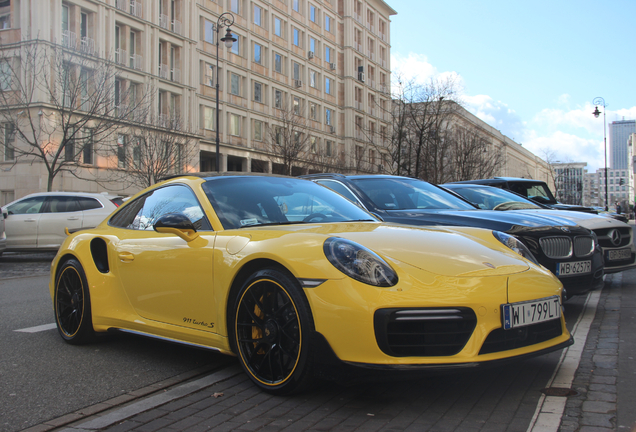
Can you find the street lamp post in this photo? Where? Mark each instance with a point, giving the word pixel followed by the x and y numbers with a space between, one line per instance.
pixel 225 20
pixel 600 101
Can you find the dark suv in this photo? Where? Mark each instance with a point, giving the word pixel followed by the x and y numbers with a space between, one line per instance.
pixel 569 251
pixel 536 190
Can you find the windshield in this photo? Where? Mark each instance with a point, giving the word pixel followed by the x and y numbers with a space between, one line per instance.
pixel 250 201
pixel 490 198
pixel 534 191
pixel 407 194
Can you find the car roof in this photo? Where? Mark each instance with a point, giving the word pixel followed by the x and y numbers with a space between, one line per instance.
pixel 354 176
pixel 212 174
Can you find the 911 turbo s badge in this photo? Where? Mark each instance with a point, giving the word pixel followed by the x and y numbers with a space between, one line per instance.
pixel 199 323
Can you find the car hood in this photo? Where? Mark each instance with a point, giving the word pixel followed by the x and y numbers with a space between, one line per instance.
pixel 587 220
pixel 448 252
pixel 489 219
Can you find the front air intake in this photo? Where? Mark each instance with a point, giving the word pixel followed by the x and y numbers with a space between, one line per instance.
pixel 423 332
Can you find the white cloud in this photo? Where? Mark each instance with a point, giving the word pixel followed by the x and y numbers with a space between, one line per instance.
pixel 569 131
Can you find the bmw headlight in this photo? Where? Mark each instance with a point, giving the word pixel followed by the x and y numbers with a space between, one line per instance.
pixel 359 263
pixel 516 245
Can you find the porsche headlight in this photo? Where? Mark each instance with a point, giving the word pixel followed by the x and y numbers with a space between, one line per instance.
pixel 359 263
pixel 516 245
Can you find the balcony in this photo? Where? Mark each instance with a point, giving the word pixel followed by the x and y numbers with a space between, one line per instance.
pixel 176 27
pixel 121 111
pixel 137 62
pixel 69 39
pixel 121 57
pixel 87 45
pixel 122 5
pixel 136 9
pixel 164 22
pixel 175 75
pixel 164 71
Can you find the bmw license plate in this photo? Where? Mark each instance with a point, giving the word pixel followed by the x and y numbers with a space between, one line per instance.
pixel 619 254
pixel 573 268
pixel 531 312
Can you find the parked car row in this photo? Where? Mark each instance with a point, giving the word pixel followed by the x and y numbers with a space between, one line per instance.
pixel 298 281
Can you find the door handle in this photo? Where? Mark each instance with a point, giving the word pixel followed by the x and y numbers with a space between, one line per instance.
pixel 29 220
pixel 73 218
pixel 126 257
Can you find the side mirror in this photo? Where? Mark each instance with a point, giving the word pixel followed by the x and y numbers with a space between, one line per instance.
pixel 178 224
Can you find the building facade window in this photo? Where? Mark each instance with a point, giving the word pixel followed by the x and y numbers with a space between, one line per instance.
pixel 296 37
pixel 208 75
pixel 328 23
pixel 312 44
pixel 234 6
pixel 235 125
pixel 9 142
pixel 208 31
pixel 313 111
pixel 278 63
pixel 88 148
pixel 278 98
pixel 235 84
pixel 236 48
pixel 328 85
pixel 312 78
pixel 327 54
pixel 312 13
pixel 121 151
pixel 257 53
pixel 296 107
pixel 209 118
pixel 278 27
pixel 296 5
pixel 258 92
pixel 258 12
pixel 328 113
pixel 258 130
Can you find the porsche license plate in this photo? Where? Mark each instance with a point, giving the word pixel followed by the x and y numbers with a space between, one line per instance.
pixel 619 254
pixel 573 268
pixel 531 312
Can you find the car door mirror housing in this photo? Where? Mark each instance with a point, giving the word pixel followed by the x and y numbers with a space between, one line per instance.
pixel 178 224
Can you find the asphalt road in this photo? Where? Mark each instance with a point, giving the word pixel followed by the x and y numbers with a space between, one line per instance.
pixel 42 377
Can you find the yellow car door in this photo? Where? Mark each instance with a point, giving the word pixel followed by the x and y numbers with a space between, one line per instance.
pixel 166 278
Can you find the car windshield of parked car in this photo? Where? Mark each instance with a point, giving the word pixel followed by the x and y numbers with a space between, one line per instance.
pixel 491 198
pixel 250 201
pixel 407 194
pixel 535 191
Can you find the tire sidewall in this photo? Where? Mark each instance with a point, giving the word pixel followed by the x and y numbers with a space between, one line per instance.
pixel 84 333
pixel 302 374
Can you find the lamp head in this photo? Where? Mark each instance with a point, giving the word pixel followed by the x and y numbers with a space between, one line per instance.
pixel 228 39
pixel 596 112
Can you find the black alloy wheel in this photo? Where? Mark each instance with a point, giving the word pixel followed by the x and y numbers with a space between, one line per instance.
pixel 72 304
pixel 271 323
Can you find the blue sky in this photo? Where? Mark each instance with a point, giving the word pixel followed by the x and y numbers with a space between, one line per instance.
pixel 528 68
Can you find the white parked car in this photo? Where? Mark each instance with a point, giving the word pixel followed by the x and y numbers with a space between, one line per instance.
pixel 3 236
pixel 38 221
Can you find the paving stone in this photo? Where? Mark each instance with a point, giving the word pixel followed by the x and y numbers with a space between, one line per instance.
pixel 601 396
pixel 599 407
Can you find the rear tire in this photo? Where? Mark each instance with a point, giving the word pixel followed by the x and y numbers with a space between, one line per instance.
pixel 271 324
pixel 73 305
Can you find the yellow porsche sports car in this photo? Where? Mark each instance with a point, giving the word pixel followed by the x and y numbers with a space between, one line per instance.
pixel 290 276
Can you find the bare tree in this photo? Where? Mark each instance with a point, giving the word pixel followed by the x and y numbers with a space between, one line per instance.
pixel 58 104
pixel 419 144
pixel 287 140
pixel 471 156
pixel 150 153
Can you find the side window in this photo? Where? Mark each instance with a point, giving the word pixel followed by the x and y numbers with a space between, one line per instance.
pixel 62 204
pixel 340 188
pixel 86 203
pixel 27 206
pixel 142 213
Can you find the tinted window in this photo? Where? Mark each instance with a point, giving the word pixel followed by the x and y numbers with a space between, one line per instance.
pixel 86 203
pixel 340 188
pixel 62 204
pixel 488 198
pixel 406 193
pixel 26 206
pixel 142 213
pixel 248 201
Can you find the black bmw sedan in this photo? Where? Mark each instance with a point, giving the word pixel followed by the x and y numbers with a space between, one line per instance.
pixel 569 251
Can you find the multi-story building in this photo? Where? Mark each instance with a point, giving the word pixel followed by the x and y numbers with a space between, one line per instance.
pixel 569 182
pixel 619 188
pixel 327 62
pixel 619 132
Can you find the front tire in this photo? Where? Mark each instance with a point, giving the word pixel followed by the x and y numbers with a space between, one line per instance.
pixel 73 305
pixel 272 323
